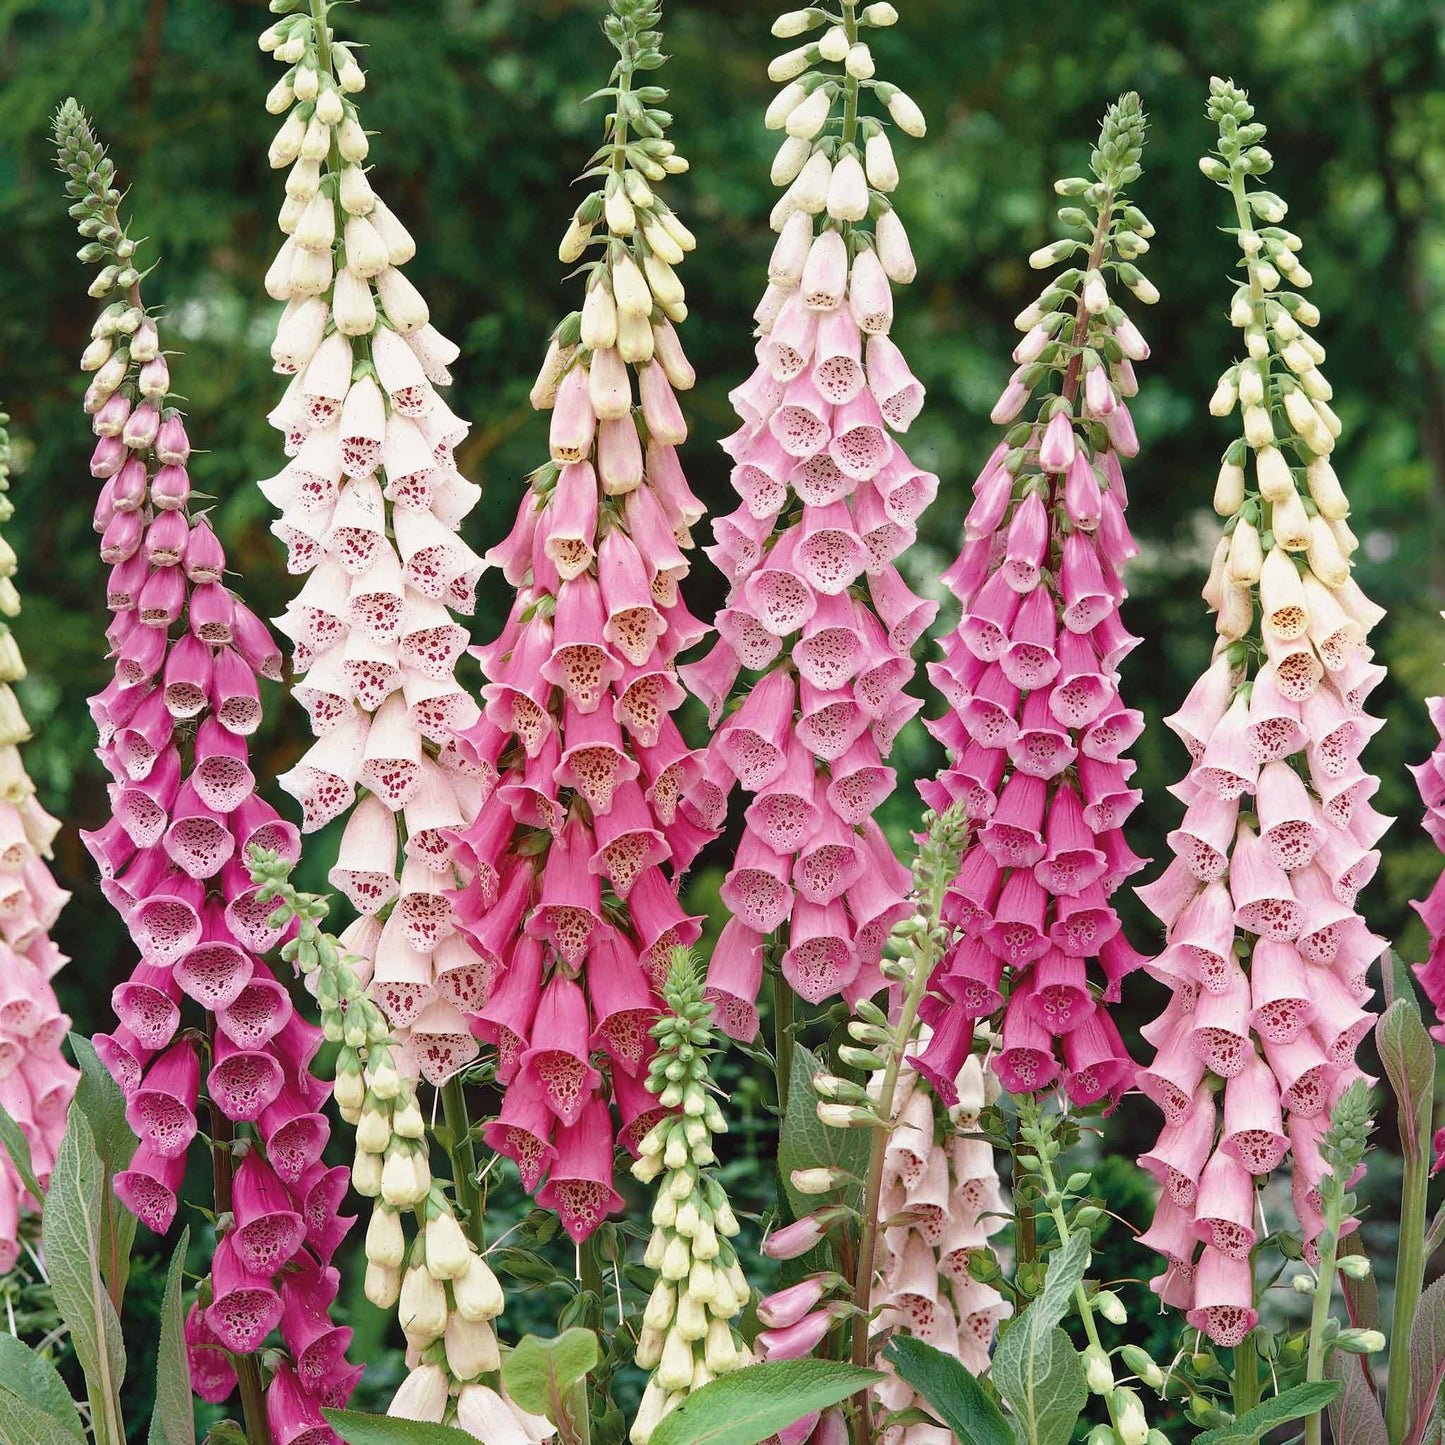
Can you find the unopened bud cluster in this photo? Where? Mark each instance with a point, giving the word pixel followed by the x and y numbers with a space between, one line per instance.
pixel 445 1293
pixel 688 1336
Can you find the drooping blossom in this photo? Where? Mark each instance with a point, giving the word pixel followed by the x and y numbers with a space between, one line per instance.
pixel 578 848
pixel 1265 952
pixel 36 1082
pixel 688 1335
pixel 819 625
pixel 370 504
pixel 447 1297
pixel 173 725
pixel 1036 727
pixel 941 1192
pixel 943 1188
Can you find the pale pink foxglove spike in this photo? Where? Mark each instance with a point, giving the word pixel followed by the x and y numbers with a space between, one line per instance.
pixel 1276 844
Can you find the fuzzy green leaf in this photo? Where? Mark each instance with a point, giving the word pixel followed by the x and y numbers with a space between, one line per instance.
pixel 357 1428
pixel 70 1231
pixel 17 1146
pixel 954 1394
pixel 1294 1404
pixel 1355 1414
pixel 539 1374
pixel 749 1405
pixel 20 1420
pixel 805 1142
pixel 37 1382
pixel 99 1098
pixel 1409 1060
pixel 1036 1367
pixel 174 1420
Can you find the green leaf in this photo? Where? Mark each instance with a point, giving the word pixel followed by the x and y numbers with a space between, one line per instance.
pixel 21 1421
pixel 1295 1404
pixel 357 1428
pixel 539 1374
pixel 805 1142
pixel 70 1234
pixel 174 1420
pixel 749 1405
pixel 99 1098
pixel 1036 1367
pixel 955 1395
pixel 17 1146
pixel 1409 1060
pixel 37 1382
pixel 1355 1414
pixel 228 1432
pixel 1427 1354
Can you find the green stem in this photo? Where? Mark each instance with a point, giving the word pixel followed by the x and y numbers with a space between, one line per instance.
pixel 1319 1317
pixel 463 1151
pixel 1409 1278
pixel 1246 1377
pixel 1081 1297
pixel 850 83
pixel 868 1240
pixel 782 1037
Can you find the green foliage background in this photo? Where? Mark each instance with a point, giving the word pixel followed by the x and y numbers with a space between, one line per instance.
pixel 478 105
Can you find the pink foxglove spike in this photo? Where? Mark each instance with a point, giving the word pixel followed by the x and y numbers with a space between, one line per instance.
pixel 819 595
pixel 1265 953
pixel 1036 727
pixel 173 737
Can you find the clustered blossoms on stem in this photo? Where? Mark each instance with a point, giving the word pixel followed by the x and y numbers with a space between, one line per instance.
pixel 941 1188
pixel 35 1081
pixel 173 725
pixel 1036 726
pixel 370 504
pixel 448 1295
pixel 1265 953
pixel 579 848
pixel 817 613
pixel 916 1229
pixel 688 1336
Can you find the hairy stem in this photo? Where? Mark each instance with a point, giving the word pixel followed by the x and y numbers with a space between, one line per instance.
pixel 1319 1316
pixel 463 1151
pixel 782 1037
pixel 1245 1385
pixel 1409 1277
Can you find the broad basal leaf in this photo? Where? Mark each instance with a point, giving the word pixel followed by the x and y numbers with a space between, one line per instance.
pixel 955 1396
pixel 37 1382
pixel 70 1231
pixel 173 1421
pixel 751 1404
pixel 1355 1414
pixel 1294 1404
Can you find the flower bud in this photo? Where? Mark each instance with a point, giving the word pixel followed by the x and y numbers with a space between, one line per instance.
pixel 1130 1425
pixel 448 1253
pixel 1360 1342
pixel 471 1347
pixel 1098 1373
pixel 422 1396
pixel 477 1293
pixel 385 1238
pixel 422 1311
pixel 906 114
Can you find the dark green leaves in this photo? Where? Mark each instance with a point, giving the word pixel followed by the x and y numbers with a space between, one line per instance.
pixel 956 1396
pixel 35 1382
pixel 1295 1404
pixel 808 1143
pixel 173 1421
pixel 357 1428
pixel 1036 1368
pixel 748 1406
